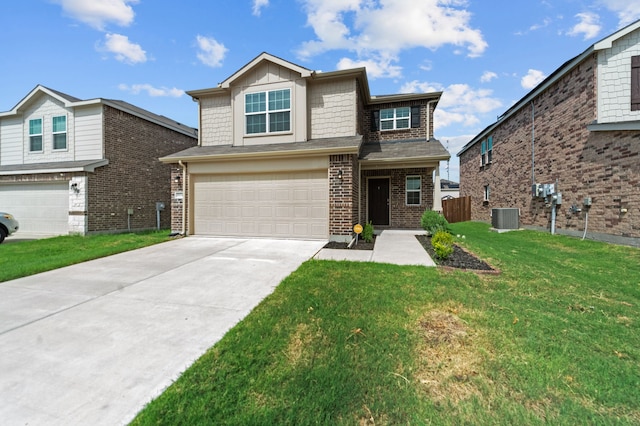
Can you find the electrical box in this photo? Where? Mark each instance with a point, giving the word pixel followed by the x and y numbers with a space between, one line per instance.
pixel 587 201
pixel 129 211
pixel 536 190
pixel 159 206
pixel 557 198
pixel 548 189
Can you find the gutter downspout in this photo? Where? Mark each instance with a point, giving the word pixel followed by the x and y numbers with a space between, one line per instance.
pixel 184 198
pixel 533 144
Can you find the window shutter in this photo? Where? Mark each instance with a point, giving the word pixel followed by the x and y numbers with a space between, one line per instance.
pixel 375 120
pixel 635 83
pixel 415 117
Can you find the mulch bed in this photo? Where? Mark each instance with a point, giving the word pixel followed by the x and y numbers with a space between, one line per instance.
pixel 360 246
pixel 459 259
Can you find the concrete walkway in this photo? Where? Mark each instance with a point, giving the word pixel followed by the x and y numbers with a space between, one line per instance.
pixel 398 247
pixel 91 344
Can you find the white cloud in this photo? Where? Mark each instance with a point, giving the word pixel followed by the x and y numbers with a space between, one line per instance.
pixel 211 51
pixel 532 79
pixel 379 31
pixel 152 91
pixel 258 5
pixel 124 50
pixel 628 11
pixel 588 25
pixel 98 13
pixel 487 76
pixel 459 103
pixel 376 68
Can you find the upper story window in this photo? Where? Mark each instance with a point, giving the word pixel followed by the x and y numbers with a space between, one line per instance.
pixel 268 112
pixel 35 135
pixel 635 83
pixel 60 132
pixel 486 150
pixel 413 190
pixel 395 118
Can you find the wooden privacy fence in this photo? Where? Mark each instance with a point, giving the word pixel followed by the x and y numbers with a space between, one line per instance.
pixel 457 209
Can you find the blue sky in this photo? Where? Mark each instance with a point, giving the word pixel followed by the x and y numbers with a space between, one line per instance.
pixel 484 55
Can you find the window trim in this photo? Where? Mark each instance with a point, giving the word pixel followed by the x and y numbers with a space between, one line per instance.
pixel 407 191
pixel 32 135
pixel 394 120
pixel 54 133
pixel 267 113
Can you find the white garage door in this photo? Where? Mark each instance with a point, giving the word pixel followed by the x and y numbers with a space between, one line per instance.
pixel 41 208
pixel 281 205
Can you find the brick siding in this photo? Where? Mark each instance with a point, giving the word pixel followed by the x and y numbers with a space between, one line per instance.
pixel 343 195
pixel 602 165
pixel 402 215
pixel 134 177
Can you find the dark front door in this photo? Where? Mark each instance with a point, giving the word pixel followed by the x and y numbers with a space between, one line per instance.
pixel 378 192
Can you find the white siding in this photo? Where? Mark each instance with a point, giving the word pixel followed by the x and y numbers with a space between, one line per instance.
pixel 88 133
pixel 11 141
pixel 614 80
pixel 47 107
pixel 332 109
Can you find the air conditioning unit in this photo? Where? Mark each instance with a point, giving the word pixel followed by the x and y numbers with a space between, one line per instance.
pixel 506 218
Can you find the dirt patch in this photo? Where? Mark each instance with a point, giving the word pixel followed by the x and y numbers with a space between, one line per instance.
pixel 459 259
pixel 448 359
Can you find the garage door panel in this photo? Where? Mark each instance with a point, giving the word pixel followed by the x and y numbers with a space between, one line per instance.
pixel 269 204
pixel 39 207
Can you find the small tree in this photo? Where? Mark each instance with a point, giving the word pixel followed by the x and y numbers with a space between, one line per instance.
pixel 432 222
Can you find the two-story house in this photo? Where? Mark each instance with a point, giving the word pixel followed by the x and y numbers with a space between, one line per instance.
pixel 568 153
pixel 288 152
pixel 83 166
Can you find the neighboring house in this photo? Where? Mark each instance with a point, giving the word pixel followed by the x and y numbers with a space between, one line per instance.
pixel 82 166
pixel 449 189
pixel 288 152
pixel 578 130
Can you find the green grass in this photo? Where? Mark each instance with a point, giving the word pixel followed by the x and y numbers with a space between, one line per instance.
pixel 553 339
pixel 20 259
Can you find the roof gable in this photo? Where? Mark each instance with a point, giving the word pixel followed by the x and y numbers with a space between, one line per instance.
pixel 264 56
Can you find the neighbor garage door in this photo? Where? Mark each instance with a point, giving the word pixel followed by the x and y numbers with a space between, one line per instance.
pixel 41 208
pixel 282 205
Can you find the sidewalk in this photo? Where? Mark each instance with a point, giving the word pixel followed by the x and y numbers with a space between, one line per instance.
pixel 398 247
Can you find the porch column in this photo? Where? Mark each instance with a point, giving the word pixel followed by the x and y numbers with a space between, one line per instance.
pixel 437 197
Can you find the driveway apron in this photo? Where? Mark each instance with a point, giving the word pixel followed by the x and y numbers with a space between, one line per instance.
pixel 94 342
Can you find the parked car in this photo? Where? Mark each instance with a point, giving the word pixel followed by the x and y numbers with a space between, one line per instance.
pixel 8 225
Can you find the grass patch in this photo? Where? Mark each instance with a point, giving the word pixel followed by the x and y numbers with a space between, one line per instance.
pixel 553 339
pixel 20 259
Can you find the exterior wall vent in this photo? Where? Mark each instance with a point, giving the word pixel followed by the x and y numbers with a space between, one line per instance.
pixel 505 218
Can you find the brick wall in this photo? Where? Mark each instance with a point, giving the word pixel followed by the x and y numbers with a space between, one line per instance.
pixel 343 195
pixel 402 215
pixel 389 135
pixel 602 165
pixel 178 204
pixel 134 177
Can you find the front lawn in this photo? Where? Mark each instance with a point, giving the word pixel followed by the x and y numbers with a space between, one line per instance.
pixel 553 339
pixel 20 259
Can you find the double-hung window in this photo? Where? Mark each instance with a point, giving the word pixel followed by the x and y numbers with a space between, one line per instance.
pixel 35 135
pixel 413 189
pixel 268 112
pixel 486 150
pixel 395 118
pixel 60 132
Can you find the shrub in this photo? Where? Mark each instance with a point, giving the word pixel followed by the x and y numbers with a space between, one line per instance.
pixel 442 243
pixel 432 222
pixel 367 232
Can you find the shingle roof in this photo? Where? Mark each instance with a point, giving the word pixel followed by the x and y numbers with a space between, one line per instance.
pixel 348 144
pixel 404 149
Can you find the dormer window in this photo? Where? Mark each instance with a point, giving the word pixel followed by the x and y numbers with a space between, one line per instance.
pixel 268 112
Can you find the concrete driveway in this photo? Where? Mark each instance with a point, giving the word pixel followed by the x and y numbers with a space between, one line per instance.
pixel 94 342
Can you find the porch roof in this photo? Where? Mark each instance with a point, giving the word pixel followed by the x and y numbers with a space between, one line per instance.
pixel 410 150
